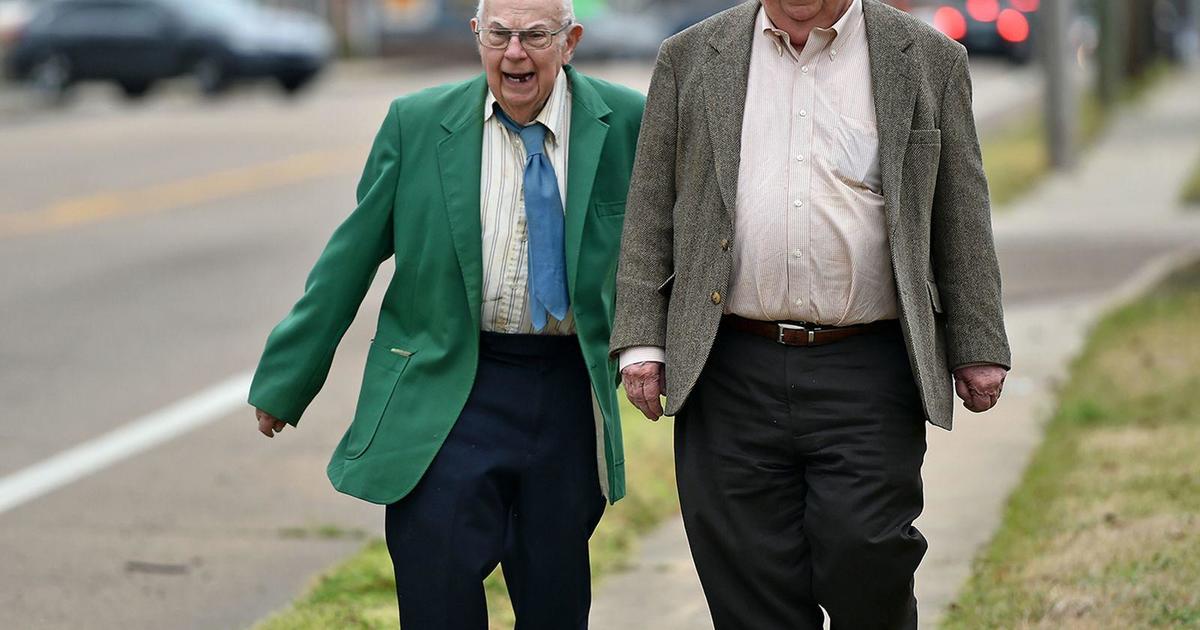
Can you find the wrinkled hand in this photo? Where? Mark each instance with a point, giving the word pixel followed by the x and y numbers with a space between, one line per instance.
pixel 269 425
pixel 979 386
pixel 644 383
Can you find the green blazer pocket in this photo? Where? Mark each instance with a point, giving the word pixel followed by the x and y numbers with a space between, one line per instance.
pixel 610 208
pixel 385 364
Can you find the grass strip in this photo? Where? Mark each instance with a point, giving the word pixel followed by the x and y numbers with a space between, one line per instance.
pixel 1104 529
pixel 360 592
pixel 1191 190
pixel 1016 157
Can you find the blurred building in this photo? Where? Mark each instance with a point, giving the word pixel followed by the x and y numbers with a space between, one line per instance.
pixel 439 27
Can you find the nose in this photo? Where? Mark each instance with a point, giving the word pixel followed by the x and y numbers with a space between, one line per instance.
pixel 515 50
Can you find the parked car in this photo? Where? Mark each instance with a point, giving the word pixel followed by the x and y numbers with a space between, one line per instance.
pixel 14 15
pixel 136 43
pixel 990 27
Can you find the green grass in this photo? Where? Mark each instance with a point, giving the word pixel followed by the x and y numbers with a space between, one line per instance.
pixel 1016 158
pixel 1104 529
pixel 360 593
pixel 1191 190
pixel 322 532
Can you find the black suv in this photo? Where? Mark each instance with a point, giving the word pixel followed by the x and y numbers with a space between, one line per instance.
pixel 135 43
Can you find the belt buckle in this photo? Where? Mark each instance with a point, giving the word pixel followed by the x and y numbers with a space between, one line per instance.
pixel 812 332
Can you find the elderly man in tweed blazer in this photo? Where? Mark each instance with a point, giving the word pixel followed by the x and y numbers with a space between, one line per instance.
pixel 807 262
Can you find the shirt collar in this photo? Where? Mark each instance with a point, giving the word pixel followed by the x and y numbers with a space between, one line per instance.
pixel 552 114
pixel 846 25
pixel 850 22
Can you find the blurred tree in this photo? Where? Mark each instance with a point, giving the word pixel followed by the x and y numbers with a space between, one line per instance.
pixel 1111 17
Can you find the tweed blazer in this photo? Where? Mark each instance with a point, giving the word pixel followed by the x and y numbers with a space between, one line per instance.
pixel 675 264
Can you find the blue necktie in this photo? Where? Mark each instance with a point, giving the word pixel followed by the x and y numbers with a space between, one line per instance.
pixel 544 219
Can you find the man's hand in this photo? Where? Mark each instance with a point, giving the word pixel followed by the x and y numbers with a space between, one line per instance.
pixel 979 386
pixel 644 383
pixel 269 425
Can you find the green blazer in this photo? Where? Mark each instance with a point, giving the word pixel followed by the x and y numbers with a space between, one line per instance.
pixel 418 200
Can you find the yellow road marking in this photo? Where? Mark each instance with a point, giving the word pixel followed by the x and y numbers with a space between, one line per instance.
pixel 182 193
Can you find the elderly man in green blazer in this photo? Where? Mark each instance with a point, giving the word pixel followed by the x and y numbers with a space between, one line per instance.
pixel 487 420
pixel 807 264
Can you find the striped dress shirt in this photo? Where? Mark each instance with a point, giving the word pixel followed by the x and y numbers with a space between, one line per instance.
pixel 502 214
pixel 811 241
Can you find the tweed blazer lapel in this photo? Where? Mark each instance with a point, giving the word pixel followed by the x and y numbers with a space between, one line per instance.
pixel 725 78
pixel 888 41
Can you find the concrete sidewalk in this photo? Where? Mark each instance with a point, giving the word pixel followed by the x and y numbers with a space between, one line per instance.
pixel 1073 249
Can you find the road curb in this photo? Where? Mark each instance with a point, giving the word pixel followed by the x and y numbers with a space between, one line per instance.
pixel 1150 275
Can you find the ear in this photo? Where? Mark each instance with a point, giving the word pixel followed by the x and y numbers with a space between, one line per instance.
pixel 478 44
pixel 574 34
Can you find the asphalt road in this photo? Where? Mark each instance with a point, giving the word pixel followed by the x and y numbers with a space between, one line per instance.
pixel 145 252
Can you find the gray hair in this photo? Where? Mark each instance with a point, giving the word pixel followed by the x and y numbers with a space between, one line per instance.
pixel 568 11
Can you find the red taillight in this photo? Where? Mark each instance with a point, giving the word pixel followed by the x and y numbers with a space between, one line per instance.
pixel 983 10
pixel 1025 6
pixel 1013 26
pixel 10 37
pixel 949 21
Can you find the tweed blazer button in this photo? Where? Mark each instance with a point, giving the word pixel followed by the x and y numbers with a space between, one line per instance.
pixel 724 244
pixel 716 297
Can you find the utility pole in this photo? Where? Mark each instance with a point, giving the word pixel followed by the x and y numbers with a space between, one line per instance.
pixel 1061 105
pixel 1112 50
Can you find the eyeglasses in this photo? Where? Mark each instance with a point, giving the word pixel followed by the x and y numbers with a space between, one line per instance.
pixel 533 39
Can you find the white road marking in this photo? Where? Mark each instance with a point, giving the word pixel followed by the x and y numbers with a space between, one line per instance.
pixel 129 440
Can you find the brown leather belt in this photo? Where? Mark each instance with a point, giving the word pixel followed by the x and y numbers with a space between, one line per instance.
pixel 803 334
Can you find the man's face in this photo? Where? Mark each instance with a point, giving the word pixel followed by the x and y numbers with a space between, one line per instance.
pixel 805 10
pixel 522 78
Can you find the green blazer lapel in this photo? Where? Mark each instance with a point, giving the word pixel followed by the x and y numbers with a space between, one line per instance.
pixel 725 78
pixel 587 136
pixel 459 157
pixel 888 41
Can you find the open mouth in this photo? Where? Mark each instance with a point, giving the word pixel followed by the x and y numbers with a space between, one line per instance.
pixel 512 77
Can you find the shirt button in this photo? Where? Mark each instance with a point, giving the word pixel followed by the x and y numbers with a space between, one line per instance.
pixel 799 158
pixel 797 253
pixel 804 69
pixel 798 203
pixel 716 297
pixel 799 301
pixel 804 113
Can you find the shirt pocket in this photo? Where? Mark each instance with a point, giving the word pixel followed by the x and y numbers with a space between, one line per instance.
pixel 856 153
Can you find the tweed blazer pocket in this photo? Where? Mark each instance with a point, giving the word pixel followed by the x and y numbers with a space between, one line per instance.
pixel 925 136
pixel 935 297
pixel 667 286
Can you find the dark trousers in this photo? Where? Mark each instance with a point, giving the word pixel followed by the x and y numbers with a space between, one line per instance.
pixel 799 472
pixel 515 483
